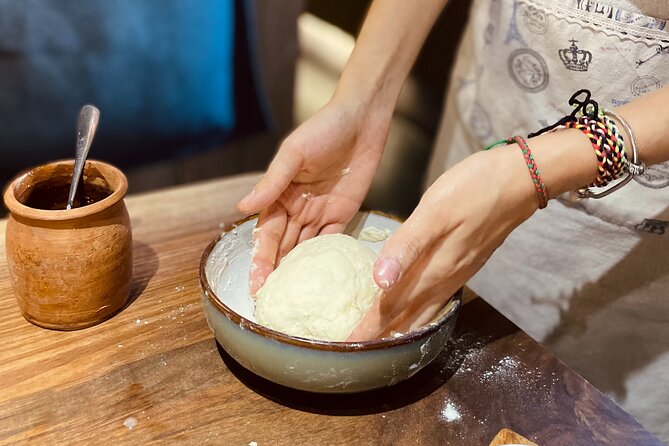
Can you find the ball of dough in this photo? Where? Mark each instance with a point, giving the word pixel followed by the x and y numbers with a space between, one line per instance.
pixel 321 289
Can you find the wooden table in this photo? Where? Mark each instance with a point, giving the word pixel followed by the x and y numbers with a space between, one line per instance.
pixel 154 374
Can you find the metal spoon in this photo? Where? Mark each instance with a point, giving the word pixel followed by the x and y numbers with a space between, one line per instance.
pixel 89 116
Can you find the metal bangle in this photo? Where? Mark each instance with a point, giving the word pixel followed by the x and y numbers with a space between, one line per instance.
pixel 633 168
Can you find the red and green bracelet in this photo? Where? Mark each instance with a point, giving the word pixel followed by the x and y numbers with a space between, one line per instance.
pixel 539 185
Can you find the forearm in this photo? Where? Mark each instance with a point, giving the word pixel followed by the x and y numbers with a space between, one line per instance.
pixel 648 117
pixel 385 50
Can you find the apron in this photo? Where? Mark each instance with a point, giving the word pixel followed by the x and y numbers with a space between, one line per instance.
pixel 590 280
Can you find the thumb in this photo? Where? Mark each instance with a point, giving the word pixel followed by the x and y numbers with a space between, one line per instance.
pixel 402 250
pixel 280 173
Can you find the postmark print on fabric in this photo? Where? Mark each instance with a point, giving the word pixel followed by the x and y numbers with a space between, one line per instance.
pixel 655 177
pixel 479 122
pixel 574 58
pixel 619 102
pixel 528 70
pixel 535 20
pixel 644 84
pixel 653 226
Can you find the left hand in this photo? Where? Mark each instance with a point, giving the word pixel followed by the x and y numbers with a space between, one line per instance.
pixel 460 221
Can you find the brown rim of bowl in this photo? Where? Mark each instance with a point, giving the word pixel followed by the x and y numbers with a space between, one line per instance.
pixel 107 170
pixel 375 344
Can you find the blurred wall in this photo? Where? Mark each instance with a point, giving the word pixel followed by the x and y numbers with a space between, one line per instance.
pixel 161 73
pixel 187 90
pixel 434 62
pixel 326 37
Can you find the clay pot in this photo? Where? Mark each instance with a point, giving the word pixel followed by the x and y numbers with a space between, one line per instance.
pixel 70 268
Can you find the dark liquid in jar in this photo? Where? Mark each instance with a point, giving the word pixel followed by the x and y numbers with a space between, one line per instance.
pixel 53 197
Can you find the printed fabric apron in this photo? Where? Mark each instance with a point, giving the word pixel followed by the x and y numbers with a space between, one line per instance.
pixel 589 280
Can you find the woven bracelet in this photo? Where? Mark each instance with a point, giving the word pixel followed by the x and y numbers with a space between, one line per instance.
pixel 631 167
pixel 539 185
pixel 608 145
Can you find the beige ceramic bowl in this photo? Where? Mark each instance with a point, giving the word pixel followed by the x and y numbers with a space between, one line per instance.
pixel 307 364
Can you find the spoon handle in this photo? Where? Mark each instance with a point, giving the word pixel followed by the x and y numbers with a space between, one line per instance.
pixel 89 116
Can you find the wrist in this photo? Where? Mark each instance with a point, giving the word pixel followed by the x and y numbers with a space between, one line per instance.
pixel 371 98
pixel 370 105
pixel 515 180
pixel 565 159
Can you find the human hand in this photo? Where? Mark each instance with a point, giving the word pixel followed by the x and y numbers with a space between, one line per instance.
pixel 458 224
pixel 316 182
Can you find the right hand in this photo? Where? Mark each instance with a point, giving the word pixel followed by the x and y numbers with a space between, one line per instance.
pixel 460 221
pixel 316 182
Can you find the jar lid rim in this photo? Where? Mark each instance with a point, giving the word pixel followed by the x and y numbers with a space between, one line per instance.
pixel 108 171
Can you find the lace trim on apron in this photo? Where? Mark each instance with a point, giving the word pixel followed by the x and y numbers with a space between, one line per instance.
pixel 611 21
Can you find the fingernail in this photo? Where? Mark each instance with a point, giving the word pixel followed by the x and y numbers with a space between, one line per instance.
pixel 386 272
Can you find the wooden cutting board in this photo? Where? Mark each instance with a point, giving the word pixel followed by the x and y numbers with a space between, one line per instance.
pixel 507 436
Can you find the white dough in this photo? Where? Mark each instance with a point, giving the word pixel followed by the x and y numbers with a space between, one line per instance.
pixel 321 289
pixel 372 234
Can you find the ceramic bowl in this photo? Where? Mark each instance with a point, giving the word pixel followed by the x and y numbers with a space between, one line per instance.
pixel 300 363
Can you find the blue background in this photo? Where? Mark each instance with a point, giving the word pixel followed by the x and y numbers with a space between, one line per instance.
pixel 161 72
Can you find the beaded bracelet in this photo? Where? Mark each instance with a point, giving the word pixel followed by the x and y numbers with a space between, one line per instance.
pixel 539 185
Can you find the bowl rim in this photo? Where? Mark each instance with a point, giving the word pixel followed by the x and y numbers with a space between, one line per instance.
pixel 338 346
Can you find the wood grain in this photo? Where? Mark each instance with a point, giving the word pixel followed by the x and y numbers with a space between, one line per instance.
pixel 157 361
pixel 507 437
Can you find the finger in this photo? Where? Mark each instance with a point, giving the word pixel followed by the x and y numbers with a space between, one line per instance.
pixel 306 233
pixel 372 323
pixel 413 318
pixel 279 174
pixel 269 230
pixel 333 228
pixel 289 239
pixel 403 248
pixel 406 306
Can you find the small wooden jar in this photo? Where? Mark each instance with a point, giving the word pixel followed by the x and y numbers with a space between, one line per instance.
pixel 70 269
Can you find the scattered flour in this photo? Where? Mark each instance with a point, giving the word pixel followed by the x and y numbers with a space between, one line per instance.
pixel 130 422
pixel 469 359
pixel 450 412
pixel 505 368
